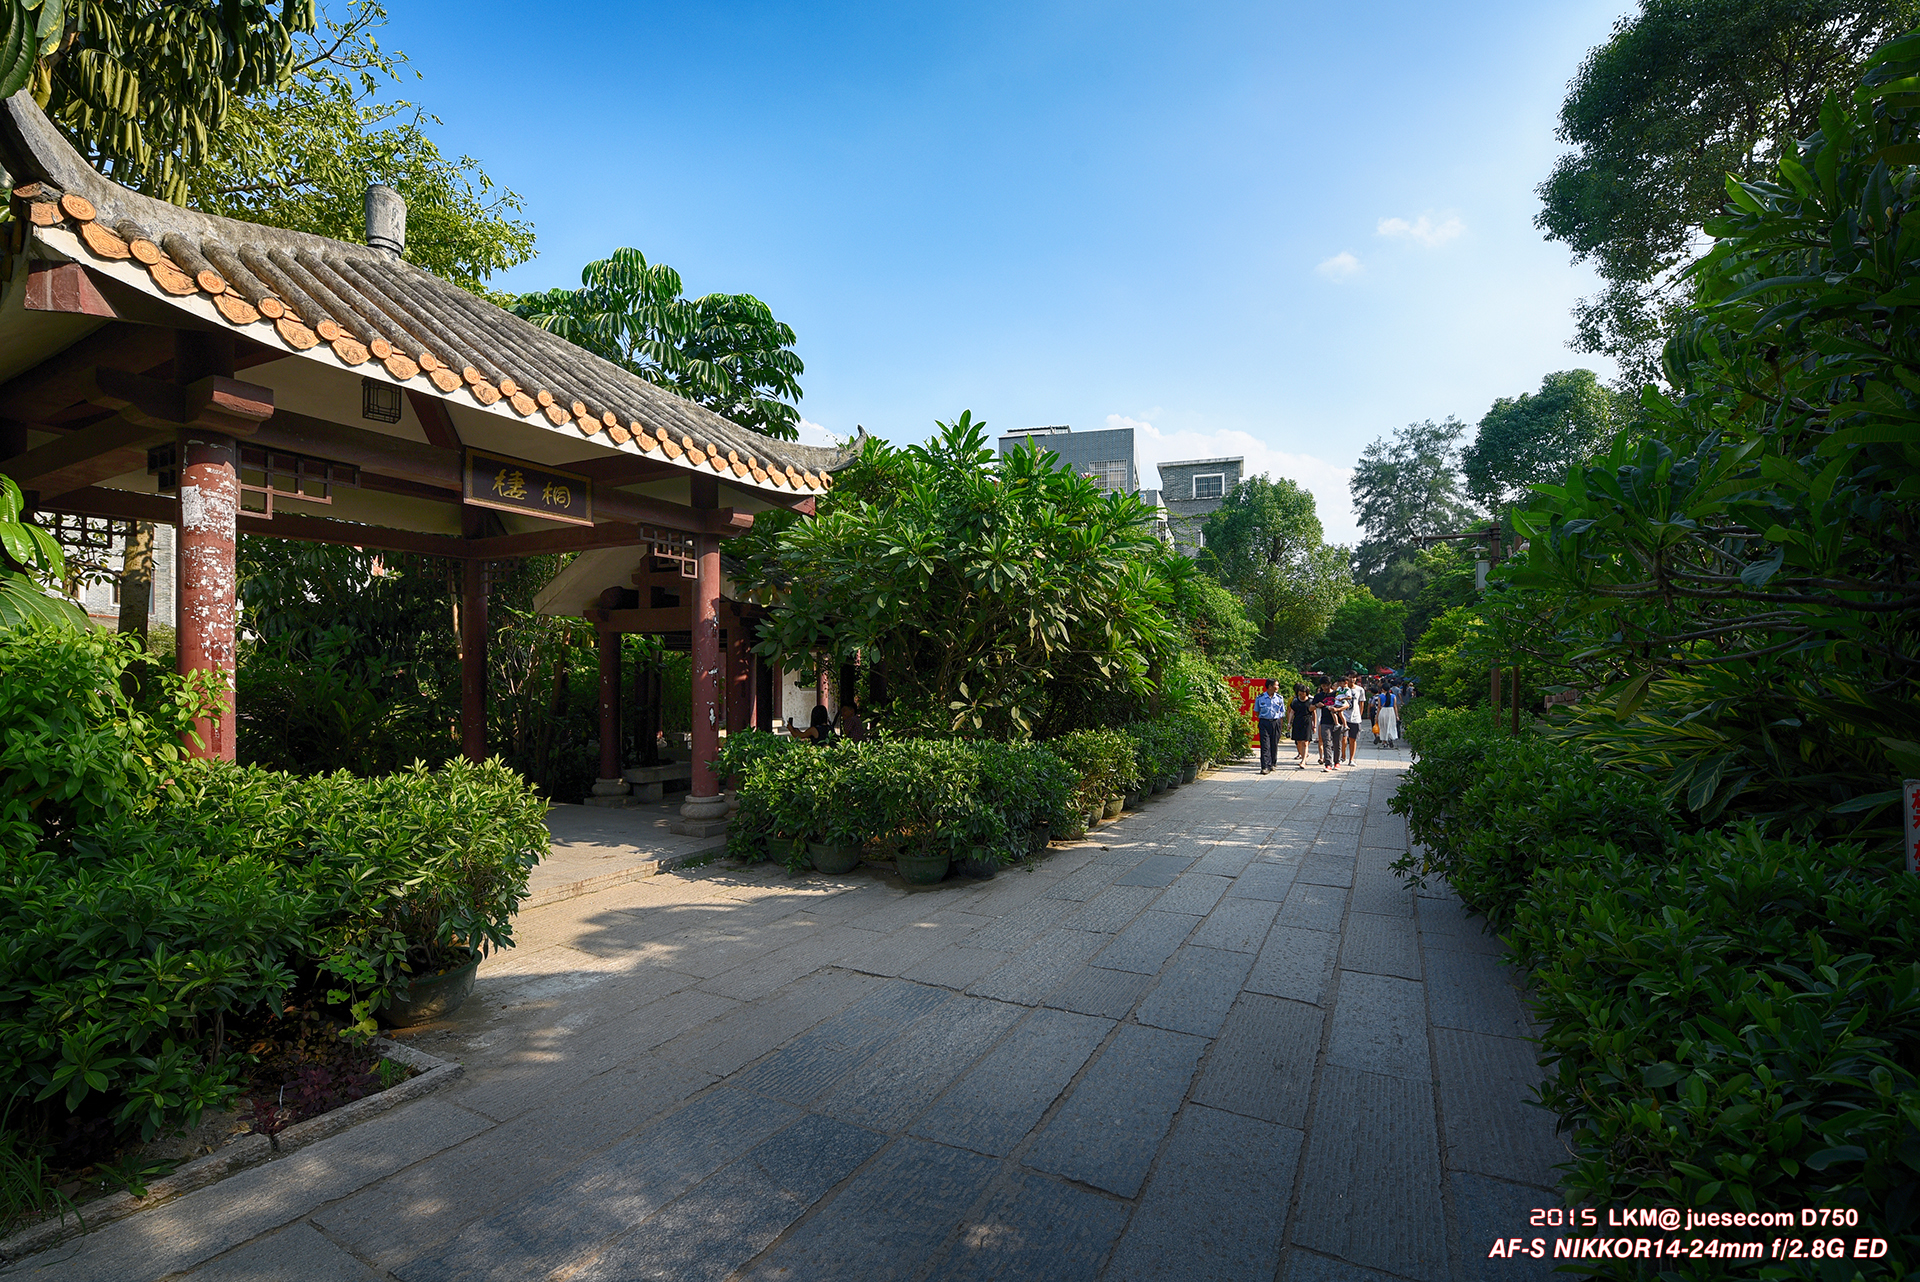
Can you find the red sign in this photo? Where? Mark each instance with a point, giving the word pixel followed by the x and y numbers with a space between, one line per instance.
pixel 1912 790
pixel 1246 688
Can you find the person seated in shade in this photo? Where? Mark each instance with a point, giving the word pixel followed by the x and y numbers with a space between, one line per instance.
pixel 819 731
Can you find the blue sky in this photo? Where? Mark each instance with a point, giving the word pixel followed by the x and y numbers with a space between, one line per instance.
pixel 1278 231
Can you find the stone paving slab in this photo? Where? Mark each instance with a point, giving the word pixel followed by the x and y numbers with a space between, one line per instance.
pixel 1111 1126
pixel 1212 1209
pixel 1264 1061
pixel 1196 990
pixel 1036 1227
pixel 1146 945
pixel 1295 963
pixel 994 1107
pixel 886 1224
pixel 1372 1195
pixel 1221 1010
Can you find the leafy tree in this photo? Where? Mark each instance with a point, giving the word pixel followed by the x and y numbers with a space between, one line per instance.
pixel 1216 622
pixel 1447 576
pixel 27 554
pixel 1682 94
pixel 1537 436
pixel 301 154
pixel 1446 663
pixel 1406 486
pixel 1364 633
pixel 145 88
pixel 1744 579
pixel 986 590
pixel 725 351
pixel 1264 543
pixel 29 31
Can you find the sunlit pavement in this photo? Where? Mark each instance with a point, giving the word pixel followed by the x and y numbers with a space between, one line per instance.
pixel 1219 1039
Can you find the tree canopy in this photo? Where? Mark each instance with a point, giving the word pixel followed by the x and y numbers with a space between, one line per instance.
pixel 301 154
pixel 1403 487
pixel 1682 94
pixel 1741 576
pixel 1537 436
pixel 1264 543
pixel 144 88
pixel 988 590
pixel 1364 633
pixel 725 351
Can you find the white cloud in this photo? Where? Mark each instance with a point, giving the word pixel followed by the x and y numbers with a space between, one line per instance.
pixel 1341 266
pixel 1326 481
pixel 1423 229
pixel 812 433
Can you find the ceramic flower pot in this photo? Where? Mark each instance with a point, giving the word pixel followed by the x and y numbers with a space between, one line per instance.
pixel 979 864
pixel 1037 839
pixel 1114 806
pixel 1133 799
pixel 1159 786
pixel 1189 774
pixel 430 997
pixel 833 859
pixel 922 868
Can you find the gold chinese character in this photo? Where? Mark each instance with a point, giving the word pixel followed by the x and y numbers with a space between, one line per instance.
pixel 510 484
pixel 557 495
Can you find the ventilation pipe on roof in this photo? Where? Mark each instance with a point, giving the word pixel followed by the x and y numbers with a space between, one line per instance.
pixel 386 220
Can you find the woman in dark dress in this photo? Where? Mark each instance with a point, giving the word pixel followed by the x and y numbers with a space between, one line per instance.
pixel 1300 712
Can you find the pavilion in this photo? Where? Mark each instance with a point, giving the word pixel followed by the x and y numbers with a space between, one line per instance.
pixel 163 365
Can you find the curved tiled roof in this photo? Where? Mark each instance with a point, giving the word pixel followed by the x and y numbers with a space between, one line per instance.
pixel 297 291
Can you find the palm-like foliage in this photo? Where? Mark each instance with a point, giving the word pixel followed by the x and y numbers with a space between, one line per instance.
pixel 987 587
pixel 29 31
pixel 142 87
pixel 725 351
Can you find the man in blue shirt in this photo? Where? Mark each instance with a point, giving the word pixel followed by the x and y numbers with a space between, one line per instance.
pixel 1271 711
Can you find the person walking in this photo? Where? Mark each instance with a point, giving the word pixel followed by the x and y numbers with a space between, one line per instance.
pixel 1356 702
pixel 1270 711
pixel 1331 726
pixel 1301 710
pixel 1389 728
pixel 1373 709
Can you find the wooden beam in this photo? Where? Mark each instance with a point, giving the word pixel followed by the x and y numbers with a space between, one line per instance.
pixel 434 418
pixel 76 461
pixel 122 504
pixel 60 380
pixel 623 469
pixel 64 287
pixel 162 510
pixel 313 529
pixel 574 538
pixel 369 451
pixel 672 618
pixel 616 506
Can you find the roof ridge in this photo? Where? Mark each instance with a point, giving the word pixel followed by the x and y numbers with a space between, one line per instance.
pixel 385 309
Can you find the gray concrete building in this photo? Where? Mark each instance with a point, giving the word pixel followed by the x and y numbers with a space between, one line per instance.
pixel 1190 491
pixel 1106 456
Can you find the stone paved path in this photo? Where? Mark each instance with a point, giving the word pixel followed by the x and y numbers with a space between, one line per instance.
pixel 1219 1040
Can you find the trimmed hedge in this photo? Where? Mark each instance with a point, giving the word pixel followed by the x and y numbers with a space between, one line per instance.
pixel 146 900
pixel 1732 1021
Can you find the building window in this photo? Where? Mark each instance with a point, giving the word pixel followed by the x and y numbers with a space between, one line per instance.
pixel 1110 475
pixel 1211 486
pixel 379 401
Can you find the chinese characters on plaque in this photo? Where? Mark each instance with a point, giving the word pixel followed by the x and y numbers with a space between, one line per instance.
pixel 513 485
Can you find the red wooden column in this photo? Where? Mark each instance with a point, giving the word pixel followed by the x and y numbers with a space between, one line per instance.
pixel 610 784
pixel 473 659
pixel 207 609
pixel 766 681
pixel 739 678
pixel 704 810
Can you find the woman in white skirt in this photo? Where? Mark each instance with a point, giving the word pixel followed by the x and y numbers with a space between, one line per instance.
pixel 1389 716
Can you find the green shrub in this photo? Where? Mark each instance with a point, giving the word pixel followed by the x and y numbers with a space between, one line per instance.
pixel 1734 1025
pixel 120 962
pixel 1487 807
pixel 402 874
pixel 944 794
pixel 76 748
pixel 1104 761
